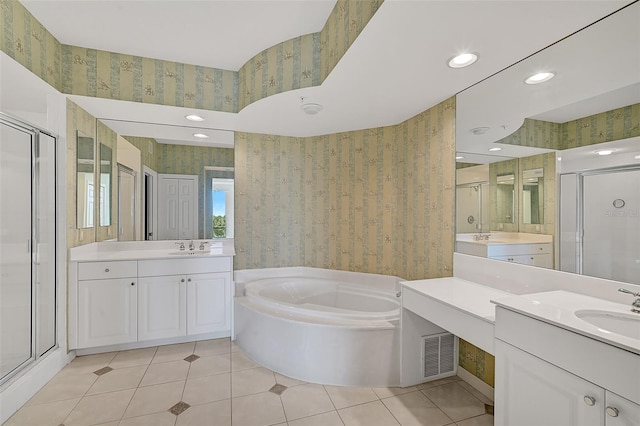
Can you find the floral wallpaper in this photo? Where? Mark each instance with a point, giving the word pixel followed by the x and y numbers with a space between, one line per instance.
pixel 290 65
pixel 24 39
pixel 620 123
pixel 350 201
pixel 90 72
pixel 345 23
pixel 477 362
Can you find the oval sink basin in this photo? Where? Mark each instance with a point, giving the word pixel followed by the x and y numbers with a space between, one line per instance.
pixel 190 252
pixel 626 324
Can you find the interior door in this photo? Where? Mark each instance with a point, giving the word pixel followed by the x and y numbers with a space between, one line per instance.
pixel 15 249
pixel 168 213
pixel 187 209
pixel 611 225
pixel 126 204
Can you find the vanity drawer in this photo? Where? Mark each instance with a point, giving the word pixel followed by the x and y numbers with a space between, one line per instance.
pixel 106 270
pixel 157 268
pixel 517 249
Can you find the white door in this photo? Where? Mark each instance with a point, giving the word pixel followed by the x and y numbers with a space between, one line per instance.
pixel 188 208
pixel 177 207
pixel 532 392
pixel 161 307
pixel 15 250
pixel 107 312
pixel 208 302
pixel 611 226
pixel 126 204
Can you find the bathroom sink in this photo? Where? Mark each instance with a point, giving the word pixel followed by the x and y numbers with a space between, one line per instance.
pixel 190 252
pixel 626 324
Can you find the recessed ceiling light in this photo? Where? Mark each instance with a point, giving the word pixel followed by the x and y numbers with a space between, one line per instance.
pixel 540 77
pixel 459 157
pixel 462 60
pixel 200 135
pixel 479 130
pixel 604 152
pixel 194 117
pixel 637 157
pixel 495 149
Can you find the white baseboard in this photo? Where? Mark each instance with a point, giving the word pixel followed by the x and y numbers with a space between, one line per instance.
pixel 476 383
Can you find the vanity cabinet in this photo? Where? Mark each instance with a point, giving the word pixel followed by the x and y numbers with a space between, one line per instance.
pixel 534 254
pixel 113 303
pixel 546 375
pixel 107 303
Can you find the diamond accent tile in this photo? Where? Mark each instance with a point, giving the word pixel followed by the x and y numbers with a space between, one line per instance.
pixel 191 358
pixel 102 371
pixel 278 389
pixel 179 408
pixel 488 409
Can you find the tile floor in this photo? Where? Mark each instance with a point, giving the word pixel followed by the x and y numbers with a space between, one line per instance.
pixel 213 383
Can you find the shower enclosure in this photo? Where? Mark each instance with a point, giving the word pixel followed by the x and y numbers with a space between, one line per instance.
pixel 472 208
pixel 600 223
pixel 27 245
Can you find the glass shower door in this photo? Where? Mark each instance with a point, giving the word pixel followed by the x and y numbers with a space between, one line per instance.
pixel 611 225
pixel 16 296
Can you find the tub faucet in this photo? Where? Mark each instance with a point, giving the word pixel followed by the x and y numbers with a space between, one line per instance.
pixel 635 306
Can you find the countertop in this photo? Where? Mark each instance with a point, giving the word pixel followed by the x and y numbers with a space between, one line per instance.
pixel 466 296
pixel 144 250
pixel 558 308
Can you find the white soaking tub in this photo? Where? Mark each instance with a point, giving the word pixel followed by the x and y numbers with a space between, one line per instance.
pixel 321 326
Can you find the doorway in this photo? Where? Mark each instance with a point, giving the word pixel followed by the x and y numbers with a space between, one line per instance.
pixel 126 204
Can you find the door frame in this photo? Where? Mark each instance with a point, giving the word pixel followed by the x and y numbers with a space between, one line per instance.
pixel 153 175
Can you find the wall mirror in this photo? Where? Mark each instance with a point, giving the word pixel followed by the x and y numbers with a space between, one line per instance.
pixel 85 172
pixel 558 132
pixel 145 155
pixel 533 196
pixel 106 162
pixel 505 198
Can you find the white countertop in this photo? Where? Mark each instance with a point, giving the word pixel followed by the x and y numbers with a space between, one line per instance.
pixel 505 238
pixel 558 308
pixel 144 250
pixel 466 296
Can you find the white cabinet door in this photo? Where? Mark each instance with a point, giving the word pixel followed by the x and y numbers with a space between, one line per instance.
pixel 161 307
pixel 107 312
pixel 208 302
pixel 621 411
pixel 532 392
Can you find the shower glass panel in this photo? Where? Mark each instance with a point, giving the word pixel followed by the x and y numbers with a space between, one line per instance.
pixel 15 251
pixel 472 212
pixel 611 225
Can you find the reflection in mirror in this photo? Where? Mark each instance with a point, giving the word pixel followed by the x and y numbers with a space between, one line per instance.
pixel 533 196
pixel 505 197
pixel 84 181
pixel 105 185
pixel 562 126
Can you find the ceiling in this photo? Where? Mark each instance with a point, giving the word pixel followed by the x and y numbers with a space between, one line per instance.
pixel 395 69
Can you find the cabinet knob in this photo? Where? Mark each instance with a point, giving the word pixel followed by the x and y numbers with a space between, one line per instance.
pixel 189 279
pixel 133 283
pixel 106 270
pixel 589 400
pixel 182 280
pixel 612 411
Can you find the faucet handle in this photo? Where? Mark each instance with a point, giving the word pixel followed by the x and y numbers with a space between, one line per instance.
pixel 202 243
pixel 624 290
pixel 180 243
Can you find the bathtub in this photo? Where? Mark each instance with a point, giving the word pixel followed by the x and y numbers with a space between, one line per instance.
pixel 320 326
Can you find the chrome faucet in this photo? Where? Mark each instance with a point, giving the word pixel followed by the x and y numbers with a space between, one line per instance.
pixel 202 243
pixel 192 246
pixel 635 306
pixel 480 237
pixel 181 244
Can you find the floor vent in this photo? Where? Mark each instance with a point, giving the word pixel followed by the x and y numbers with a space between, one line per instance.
pixel 438 356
